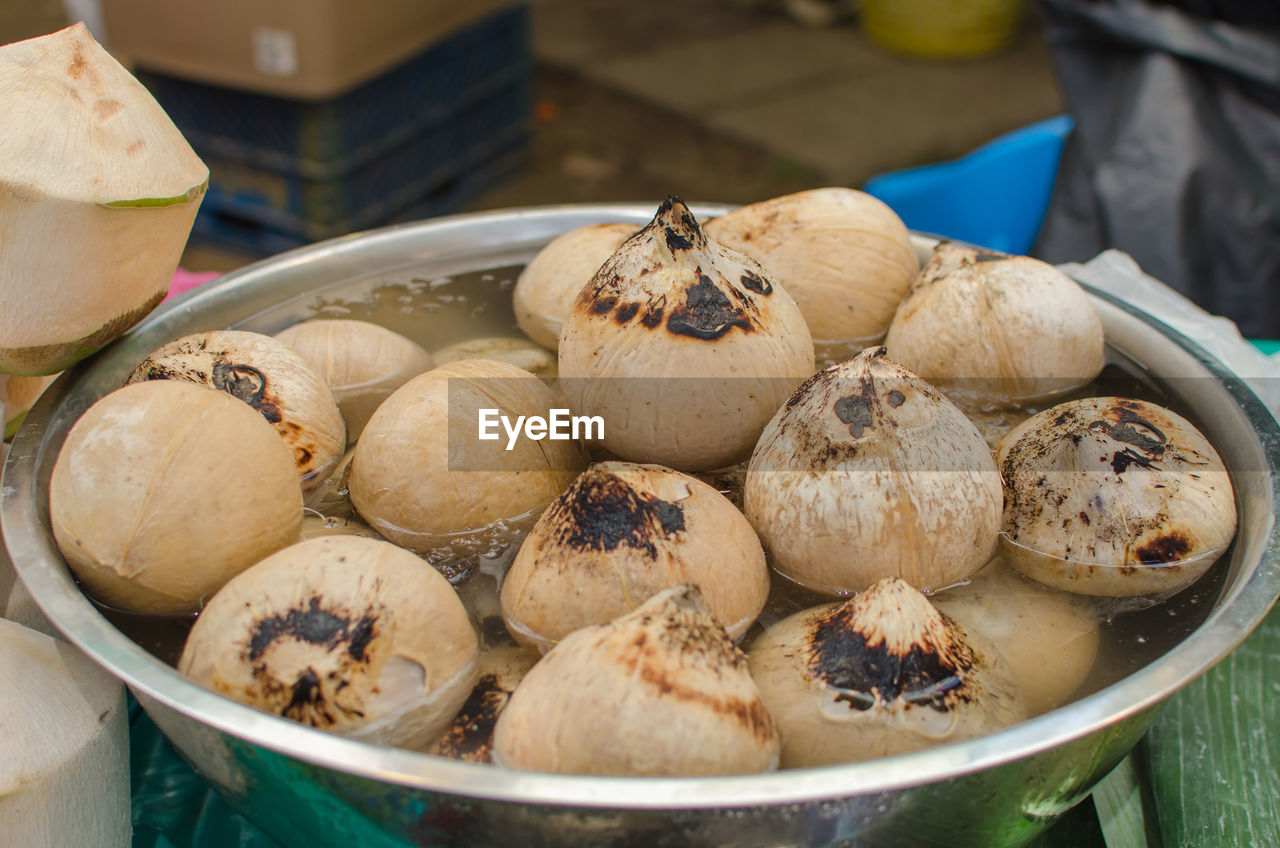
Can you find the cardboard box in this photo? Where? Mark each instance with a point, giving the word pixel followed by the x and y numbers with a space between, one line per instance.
pixel 302 49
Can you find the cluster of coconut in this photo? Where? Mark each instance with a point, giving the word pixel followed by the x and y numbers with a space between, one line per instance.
pixel 634 641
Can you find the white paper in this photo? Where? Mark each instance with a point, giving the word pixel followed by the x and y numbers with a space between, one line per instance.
pixel 1116 273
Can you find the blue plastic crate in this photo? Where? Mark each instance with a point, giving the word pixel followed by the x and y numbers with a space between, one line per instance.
pixel 318 208
pixel 328 138
pixel 224 227
pixel 286 172
pixel 996 196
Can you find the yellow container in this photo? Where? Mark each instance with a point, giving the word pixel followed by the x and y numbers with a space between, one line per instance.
pixel 942 28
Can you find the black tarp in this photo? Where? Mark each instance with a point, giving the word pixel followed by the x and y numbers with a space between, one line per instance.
pixel 1175 156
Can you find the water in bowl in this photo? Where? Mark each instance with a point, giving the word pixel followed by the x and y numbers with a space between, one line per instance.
pixel 441 311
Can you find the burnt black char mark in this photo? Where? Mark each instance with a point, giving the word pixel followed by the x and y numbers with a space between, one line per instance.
pixel 1122 459
pixel 679 228
pixel 855 410
pixel 1170 547
pixel 626 312
pixel 706 313
pixel 246 383
pixel 1147 443
pixel 845 659
pixel 753 282
pixel 600 512
pixel 470 737
pixel 315 625
pixel 306 694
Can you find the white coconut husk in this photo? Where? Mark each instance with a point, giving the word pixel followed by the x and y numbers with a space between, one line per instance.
pixel 844 255
pixel 620 534
pixel 661 691
pixel 64 749
pixel 883 673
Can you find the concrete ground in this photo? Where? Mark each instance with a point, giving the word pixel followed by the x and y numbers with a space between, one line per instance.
pixel 826 101
pixel 726 101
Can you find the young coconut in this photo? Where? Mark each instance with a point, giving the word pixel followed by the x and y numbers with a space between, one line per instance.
pixel 1049 638
pixel 518 352
pixel 683 346
pixel 361 363
pixel 64 752
pixel 620 534
pixel 469 736
pixel 98 190
pixel 661 691
pixel 422 478
pixel 163 491
pixel 869 472
pixel 547 286
pixel 845 257
pixel 883 673
pixel 1114 497
pixel 990 328
pixel 341 633
pixel 269 376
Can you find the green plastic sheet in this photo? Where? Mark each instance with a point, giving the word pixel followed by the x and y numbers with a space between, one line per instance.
pixel 174 807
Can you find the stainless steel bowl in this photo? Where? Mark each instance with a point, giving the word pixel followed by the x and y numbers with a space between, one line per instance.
pixel 309 788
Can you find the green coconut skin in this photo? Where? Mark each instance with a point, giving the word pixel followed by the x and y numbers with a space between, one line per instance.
pixel 152 202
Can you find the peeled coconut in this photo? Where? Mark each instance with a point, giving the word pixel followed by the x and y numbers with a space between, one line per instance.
pixel 98 190
pixel 869 472
pixel 361 363
pixel 883 673
pixel 163 491
pixel 521 353
pixel 64 752
pixel 1050 638
pixel 988 327
pixel 684 347
pixel 469 737
pixel 546 288
pixel 269 376
pixel 622 533
pixel 661 691
pixel 1115 497
pixel 423 479
pixel 346 634
pixel 844 255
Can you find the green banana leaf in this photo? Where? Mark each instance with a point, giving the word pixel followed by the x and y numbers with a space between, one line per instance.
pixel 1214 751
